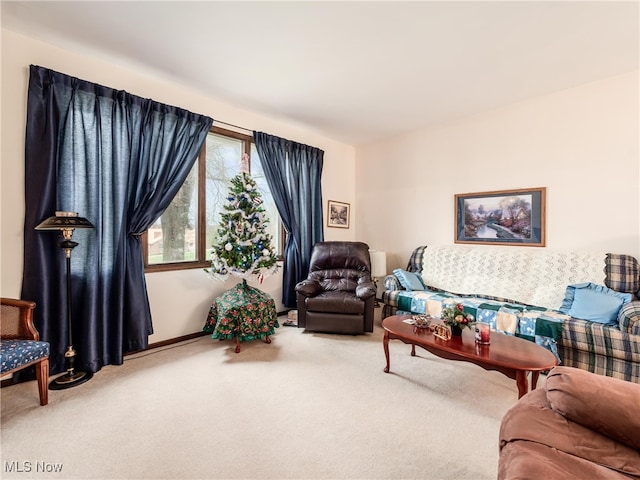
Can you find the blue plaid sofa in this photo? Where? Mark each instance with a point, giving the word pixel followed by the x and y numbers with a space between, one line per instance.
pixel 527 301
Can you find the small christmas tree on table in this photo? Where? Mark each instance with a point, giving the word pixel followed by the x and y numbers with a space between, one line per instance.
pixel 243 249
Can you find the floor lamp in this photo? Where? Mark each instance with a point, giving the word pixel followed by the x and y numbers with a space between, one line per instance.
pixel 378 268
pixel 67 222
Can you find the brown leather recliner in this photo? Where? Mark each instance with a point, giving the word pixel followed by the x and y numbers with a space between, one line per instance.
pixel 338 295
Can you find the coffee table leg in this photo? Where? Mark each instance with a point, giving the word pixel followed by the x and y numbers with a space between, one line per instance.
pixel 413 350
pixel 385 344
pixel 534 380
pixel 521 381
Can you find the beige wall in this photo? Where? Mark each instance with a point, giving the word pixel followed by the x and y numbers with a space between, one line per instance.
pixel 179 300
pixel 581 144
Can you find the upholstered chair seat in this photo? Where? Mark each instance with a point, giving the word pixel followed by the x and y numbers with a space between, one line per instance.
pixel 16 354
pixel 337 301
pixel 20 345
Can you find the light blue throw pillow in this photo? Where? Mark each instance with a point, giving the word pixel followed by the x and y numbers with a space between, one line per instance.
pixel 409 280
pixel 596 303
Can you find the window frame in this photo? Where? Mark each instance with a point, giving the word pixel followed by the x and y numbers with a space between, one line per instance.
pixel 201 247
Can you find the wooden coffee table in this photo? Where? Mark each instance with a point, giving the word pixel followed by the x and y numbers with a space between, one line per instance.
pixel 512 356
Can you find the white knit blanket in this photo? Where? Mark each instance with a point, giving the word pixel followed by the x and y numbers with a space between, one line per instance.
pixel 524 274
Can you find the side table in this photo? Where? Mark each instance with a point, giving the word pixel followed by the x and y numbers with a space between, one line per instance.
pixel 244 313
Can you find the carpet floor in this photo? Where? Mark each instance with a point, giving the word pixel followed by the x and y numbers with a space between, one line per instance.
pixel 306 406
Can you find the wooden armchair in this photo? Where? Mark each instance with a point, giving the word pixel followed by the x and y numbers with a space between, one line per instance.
pixel 20 345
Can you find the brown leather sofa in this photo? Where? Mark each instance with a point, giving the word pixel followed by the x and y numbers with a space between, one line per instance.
pixel 580 425
pixel 338 295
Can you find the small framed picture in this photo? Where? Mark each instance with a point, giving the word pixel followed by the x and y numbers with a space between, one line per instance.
pixel 338 214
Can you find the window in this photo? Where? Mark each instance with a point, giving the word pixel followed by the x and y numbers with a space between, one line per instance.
pixel 183 236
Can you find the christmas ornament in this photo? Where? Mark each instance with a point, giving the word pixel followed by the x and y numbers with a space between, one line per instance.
pixel 244 164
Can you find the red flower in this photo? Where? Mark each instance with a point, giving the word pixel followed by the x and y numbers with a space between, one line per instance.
pixel 459 307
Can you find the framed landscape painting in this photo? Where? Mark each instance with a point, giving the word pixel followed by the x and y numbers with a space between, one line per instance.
pixel 505 217
pixel 338 214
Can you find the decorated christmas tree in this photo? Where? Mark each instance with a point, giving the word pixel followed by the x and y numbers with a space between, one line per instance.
pixel 243 247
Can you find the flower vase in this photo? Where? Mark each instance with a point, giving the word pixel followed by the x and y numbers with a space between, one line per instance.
pixel 456 331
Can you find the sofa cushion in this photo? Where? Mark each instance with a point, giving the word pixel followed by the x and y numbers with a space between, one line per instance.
pixel 578 396
pixel 409 280
pixel 596 303
pixel 623 273
pixel 415 261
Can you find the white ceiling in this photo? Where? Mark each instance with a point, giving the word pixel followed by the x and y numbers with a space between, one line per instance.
pixel 353 71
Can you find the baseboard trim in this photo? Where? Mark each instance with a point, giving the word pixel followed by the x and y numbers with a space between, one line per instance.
pixel 171 341
pixel 183 338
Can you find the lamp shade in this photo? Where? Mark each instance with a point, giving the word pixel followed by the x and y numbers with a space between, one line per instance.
pixel 64 220
pixel 378 263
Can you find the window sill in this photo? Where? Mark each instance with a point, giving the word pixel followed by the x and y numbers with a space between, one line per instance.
pixel 170 267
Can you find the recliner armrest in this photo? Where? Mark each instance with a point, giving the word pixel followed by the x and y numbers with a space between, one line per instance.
pixel 309 288
pixel 365 290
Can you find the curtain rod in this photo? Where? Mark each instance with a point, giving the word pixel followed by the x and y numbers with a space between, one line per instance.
pixel 234 126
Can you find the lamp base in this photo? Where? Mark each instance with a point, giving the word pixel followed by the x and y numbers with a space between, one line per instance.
pixel 70 379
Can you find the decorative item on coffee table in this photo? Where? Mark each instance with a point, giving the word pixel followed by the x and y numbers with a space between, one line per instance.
pixel 442 332
pixel 456 319
pixel 483 333
pixel 421 322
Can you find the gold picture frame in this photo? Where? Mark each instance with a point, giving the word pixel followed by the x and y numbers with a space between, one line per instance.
pixel 338 214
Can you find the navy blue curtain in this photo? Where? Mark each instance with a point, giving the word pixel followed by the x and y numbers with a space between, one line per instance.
pixel 118 160
pixel 294 172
